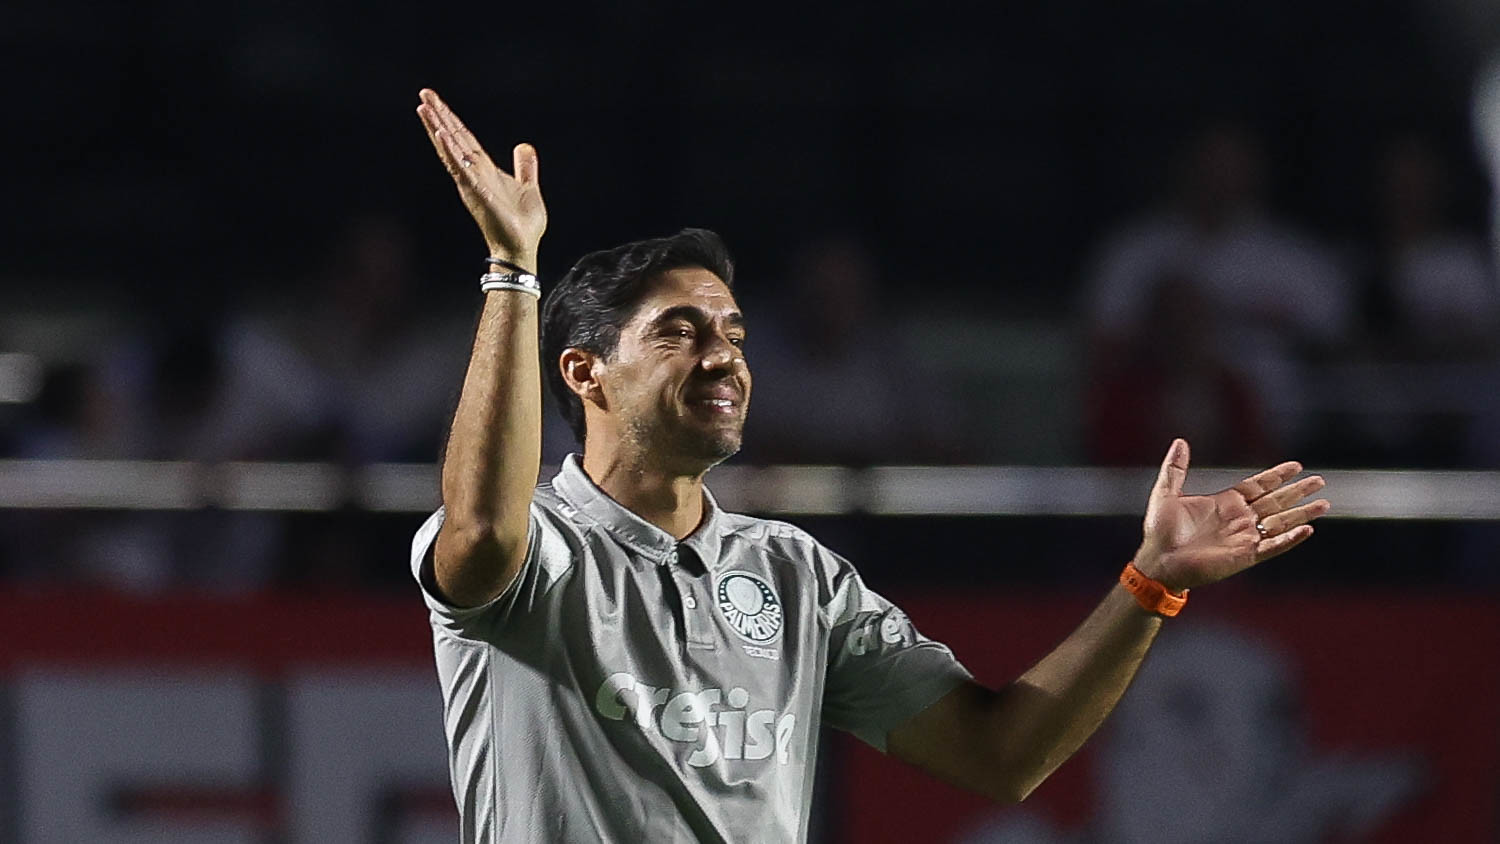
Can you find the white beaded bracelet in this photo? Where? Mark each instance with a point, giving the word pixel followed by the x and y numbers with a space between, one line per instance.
pixel 522 282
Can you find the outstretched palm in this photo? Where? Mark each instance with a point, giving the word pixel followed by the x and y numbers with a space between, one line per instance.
pixel 508 209
pixel 1193 540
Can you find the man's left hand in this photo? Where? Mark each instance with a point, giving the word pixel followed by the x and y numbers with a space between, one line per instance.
pixel 1193 540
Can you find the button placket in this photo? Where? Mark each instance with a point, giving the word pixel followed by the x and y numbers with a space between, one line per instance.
pixel 697 626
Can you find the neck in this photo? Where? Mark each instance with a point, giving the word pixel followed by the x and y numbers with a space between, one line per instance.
pixel 671 501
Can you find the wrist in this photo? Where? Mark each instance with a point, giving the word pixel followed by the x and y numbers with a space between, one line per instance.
pixel 1148 561
pixel 522 258
pixel 1152 595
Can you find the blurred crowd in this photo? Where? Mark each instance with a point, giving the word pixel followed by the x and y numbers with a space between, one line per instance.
pixel 1205 315
pixel 1214 318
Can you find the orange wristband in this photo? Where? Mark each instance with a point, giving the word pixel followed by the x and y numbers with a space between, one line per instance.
pixel 1151 594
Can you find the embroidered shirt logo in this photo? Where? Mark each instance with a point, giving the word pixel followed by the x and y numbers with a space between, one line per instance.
pixel 750 606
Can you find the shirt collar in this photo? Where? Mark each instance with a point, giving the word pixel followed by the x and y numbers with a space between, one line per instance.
pixel 580 491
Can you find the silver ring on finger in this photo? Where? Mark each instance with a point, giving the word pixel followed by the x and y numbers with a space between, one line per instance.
pixel 466 163
pixel 1260 527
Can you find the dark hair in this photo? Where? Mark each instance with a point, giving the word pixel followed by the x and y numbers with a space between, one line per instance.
pixel 587 308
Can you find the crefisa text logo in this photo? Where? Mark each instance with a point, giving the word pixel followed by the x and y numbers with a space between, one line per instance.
pixel 750 606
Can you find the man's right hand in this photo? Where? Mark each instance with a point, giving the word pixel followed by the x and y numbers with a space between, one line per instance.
pixel 495 445
pixel 508 209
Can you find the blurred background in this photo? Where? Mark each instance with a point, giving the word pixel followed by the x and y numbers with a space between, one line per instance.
pixel 993 260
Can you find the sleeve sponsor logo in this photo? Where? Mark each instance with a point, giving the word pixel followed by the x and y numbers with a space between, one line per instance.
pixel 750 606
pixel 890 628
pixel 735 732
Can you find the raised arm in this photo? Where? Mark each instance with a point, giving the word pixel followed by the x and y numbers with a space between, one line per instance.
pixel 495 444
pixel 1004 743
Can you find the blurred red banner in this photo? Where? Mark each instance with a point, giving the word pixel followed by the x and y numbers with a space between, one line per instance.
pixel 192 717
pixel 1312 718
pixel 1369 717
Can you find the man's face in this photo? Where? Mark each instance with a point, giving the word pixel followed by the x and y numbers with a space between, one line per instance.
pixel 677 383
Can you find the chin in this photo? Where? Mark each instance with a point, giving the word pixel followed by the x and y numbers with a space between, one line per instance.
pixel 712 449
pixel 691 449
pixel 726 449
pixel 720 448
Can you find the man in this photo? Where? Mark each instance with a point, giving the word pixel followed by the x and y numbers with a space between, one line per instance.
pixel 623 661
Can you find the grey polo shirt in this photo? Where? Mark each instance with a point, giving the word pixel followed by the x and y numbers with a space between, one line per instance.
pixel 630 687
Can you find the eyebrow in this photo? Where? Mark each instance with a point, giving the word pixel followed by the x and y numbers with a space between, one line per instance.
pixel 695 315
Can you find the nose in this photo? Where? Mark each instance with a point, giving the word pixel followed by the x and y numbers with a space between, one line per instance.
pixel 722 355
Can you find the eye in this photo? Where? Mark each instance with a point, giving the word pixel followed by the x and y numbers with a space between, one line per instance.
pixel 737 342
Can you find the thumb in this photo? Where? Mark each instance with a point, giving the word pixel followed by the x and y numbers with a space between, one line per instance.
pixel 524 157
pixel 1173 469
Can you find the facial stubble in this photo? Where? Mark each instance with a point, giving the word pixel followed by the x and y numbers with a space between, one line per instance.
pixel 674 439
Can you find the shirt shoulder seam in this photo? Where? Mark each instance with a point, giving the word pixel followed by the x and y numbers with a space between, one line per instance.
pixel 745 525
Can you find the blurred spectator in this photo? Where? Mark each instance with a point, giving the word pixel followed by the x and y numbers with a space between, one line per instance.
pixel 93 409
pixel 1172 381
pixel 184 388
pixel 357 374
pixel 1441 300
pixel 212 550
pixel 1269 294
pixel 831 384
pixel 1415 385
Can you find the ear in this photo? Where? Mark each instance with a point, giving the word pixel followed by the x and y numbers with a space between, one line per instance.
pixel 580 371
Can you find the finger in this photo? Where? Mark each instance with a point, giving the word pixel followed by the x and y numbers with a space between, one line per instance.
pixel 1257 485
pixel 468 149
pixel 1174 469
pixel 448 120
pixel 452 157
pixel 1280 523
pixel 460 130
pixel 464 146
pixel 440 108
pixel 1277 545
pixel 429 121
pixel 463 164
pixel 524 158
pixel 1275 502
pixel 443 143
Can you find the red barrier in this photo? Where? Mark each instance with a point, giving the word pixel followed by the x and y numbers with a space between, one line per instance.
pixel 308 718
pixel 266 632
pixel 1397 697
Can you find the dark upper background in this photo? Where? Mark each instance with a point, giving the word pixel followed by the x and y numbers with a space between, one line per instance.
pixel 227 237
pixel 158 146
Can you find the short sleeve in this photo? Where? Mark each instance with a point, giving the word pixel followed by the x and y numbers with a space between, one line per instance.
pixel 881 671
pixel 471 622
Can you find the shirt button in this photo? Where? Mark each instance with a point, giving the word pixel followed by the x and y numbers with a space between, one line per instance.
pixel 690 602
pixel 672 558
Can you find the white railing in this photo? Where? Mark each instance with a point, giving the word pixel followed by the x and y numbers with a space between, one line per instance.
pixel 806 490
